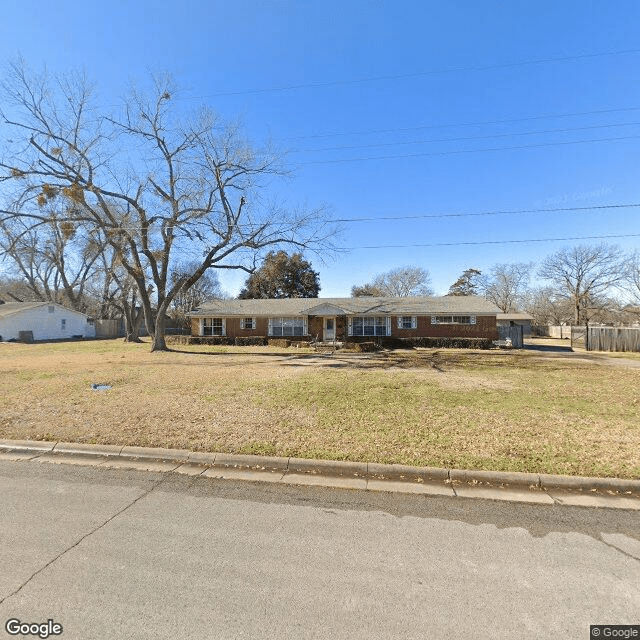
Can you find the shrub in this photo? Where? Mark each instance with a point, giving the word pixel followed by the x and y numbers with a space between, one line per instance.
pixel 362 347
pixel 279 342
pixel 251 341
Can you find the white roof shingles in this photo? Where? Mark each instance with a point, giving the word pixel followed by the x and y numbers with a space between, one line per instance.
pixel 474 305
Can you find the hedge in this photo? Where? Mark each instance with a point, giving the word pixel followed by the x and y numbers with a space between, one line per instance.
pixel 391 342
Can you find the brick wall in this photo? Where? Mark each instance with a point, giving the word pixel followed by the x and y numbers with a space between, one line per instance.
pixel 315 327
pixel 485 327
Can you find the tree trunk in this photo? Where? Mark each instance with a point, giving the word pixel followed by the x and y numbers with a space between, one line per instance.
pixel 132 324
pixel 158 342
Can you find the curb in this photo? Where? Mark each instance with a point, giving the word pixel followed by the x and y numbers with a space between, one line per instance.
pixel 363 471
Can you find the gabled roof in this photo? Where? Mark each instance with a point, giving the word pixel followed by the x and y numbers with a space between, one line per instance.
pixel 347 306
pixel 9 308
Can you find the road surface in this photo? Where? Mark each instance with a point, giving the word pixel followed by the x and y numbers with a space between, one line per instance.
pixel 122 554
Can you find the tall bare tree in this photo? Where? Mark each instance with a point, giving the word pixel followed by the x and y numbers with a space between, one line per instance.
pixel 150 180
pixel 400 282
pixel 53 263
pixel 506 284
pixel 547 306
pixel 208 287
pixel 585 274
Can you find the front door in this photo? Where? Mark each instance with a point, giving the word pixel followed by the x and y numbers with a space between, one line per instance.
pixel 329 333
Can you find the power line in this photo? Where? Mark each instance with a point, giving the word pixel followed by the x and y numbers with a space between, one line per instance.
pixel 463 138
pixel 630 205
pixel 491 213
pixel 418 74
pixel 476 123
pixel 457 244
pixel 462 151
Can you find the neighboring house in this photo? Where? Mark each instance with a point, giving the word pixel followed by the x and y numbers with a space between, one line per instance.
pixel 43 320
pixel 327 319
pixel 516 319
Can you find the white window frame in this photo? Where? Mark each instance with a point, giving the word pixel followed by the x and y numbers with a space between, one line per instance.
pixel 204 325
pixel 372 321
pixel 274 322
pixel 413 322
pixel 244 325
pixel 453 319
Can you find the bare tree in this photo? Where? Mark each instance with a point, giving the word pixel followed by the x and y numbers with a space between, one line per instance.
pixel 400 282
pixel 547 306
pixel 153 183
pixel 585 274
pixel 53 262
pixel 206 288
pixel 360 291
pixel 506 284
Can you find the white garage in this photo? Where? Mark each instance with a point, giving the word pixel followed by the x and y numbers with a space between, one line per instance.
pixel 43 321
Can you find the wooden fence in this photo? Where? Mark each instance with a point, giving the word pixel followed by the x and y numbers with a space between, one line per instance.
pixel 515 334
pixel 612 339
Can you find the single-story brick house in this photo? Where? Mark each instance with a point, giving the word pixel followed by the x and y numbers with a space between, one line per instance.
pixel 42 321
pixel 327 319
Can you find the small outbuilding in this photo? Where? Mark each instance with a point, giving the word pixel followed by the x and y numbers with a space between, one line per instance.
pixel 516 319
pixel 32 321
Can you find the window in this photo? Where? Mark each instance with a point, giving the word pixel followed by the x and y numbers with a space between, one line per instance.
pixel 248 323
pixel 453 319
pixel 63 324
pixel 50 308
pixel 369 326
pixel 407 322
pixel 213 327
pixel 287 326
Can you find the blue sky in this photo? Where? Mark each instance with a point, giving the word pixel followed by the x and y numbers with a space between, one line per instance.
pixel 394 108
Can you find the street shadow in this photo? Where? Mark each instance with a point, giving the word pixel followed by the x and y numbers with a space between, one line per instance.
pixel 548 348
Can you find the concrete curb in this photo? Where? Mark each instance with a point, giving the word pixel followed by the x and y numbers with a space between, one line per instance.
pixel 394 474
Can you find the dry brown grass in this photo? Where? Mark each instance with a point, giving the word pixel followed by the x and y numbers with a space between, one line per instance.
pixel 519 410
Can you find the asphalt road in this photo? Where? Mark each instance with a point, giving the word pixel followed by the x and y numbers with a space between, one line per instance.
pixel 123 554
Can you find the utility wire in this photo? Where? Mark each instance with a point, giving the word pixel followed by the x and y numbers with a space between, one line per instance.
pixel 419 74
pixel 630 205
pixel 458 244
pixel 491 213
pixel 476 123
pixel 462 151
pixel 463 138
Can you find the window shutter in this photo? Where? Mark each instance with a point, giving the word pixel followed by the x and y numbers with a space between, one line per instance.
pixel 201 326
pixel 224 326
pixel 306 326
pixel 414 322
pixel 473 319
pixel 350 326
pixel 270 326
pixel 399 322
pixel 387 322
